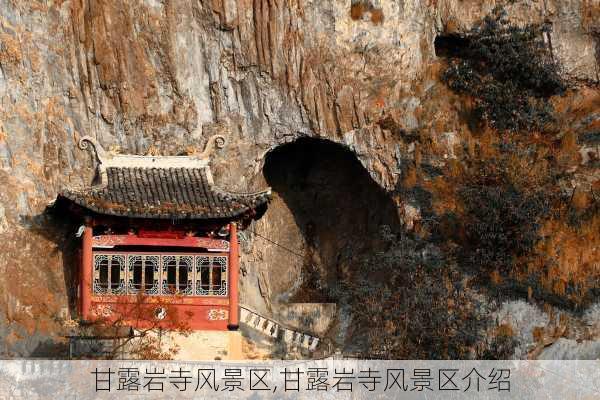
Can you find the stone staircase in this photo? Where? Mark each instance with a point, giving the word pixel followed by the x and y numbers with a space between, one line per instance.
pixel 276 330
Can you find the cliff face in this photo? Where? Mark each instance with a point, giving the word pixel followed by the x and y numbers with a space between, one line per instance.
pixel 154 76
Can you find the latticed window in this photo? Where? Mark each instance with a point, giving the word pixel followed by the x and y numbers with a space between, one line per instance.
pixel 211 276
pixel 144 274
pixel 109 274
pixel 178 275
pixel 165 274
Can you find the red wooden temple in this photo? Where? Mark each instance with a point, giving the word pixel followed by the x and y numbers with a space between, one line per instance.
pixel 159 237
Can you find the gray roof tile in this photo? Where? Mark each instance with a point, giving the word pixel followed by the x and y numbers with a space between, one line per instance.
pixel 166 193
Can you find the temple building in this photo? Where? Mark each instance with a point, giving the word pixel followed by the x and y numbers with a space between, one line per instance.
pixel 159 240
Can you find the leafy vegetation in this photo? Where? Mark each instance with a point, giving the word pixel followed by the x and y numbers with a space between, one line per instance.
pixel 501 221
pixel 147 342
pixel 414 304
pixel 508 71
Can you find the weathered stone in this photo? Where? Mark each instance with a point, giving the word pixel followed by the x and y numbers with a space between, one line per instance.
pixel 171 74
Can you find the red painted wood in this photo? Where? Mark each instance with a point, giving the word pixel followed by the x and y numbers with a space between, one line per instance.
pixel 172 300
pixel 165 234
pixel 85 271
pixel 154 224
pixel 184 312
pixel 151 251
pixel 108 241
pixel 234 272
pixel 181 313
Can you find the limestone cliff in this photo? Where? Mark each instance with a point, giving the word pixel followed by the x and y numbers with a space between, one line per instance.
pixel 163 76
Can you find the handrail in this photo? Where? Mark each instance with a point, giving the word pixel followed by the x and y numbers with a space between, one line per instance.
pixel 276 329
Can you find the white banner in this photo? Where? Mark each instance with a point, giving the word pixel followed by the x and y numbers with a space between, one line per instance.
pixel 343 379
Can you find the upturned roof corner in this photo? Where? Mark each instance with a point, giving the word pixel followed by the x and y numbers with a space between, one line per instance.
pixel 177 187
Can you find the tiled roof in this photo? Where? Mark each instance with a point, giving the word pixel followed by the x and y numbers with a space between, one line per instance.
pixel 168 193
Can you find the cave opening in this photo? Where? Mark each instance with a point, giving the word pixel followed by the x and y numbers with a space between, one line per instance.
pixel 339 210
pixel 450 45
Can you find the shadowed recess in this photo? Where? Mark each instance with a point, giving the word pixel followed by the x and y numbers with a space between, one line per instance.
pixel 337 206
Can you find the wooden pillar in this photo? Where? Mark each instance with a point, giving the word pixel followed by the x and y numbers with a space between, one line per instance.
pixel 85 273
pixel 234 274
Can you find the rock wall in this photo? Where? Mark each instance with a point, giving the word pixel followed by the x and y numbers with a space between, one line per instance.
pixel 162 76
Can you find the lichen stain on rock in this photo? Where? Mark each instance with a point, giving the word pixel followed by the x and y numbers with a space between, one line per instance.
pixel 10 52
pixel 361 8
pixel 116 53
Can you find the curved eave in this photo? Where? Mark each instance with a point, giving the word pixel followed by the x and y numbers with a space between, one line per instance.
pixel 258 202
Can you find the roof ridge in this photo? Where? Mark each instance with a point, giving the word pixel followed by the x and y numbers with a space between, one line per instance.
pixel 156 167
pixel 266 191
